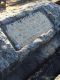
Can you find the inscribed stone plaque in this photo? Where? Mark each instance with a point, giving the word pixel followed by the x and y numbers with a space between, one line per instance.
pixel 26 30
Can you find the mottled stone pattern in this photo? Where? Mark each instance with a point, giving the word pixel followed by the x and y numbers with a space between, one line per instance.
pixel 50 69
pixel 33 60
pixel 52 11
pixel 27 26
pixel 28 29
pixel 37 58
pixel 33 55
pixel 20 19
pixel 8 57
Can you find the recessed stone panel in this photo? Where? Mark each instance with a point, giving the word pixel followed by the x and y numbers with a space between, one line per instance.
pixel 24 31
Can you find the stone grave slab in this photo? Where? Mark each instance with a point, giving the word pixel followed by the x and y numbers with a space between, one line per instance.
pixel 22 29
pixel 25 30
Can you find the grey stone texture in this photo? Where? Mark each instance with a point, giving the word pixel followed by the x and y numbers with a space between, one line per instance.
pixel 8 56
pixel 36 58
pixel 26 60
pixel 50 69
pixel 27 26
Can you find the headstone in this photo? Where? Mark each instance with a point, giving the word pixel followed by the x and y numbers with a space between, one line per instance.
pixel 22 26
pixel 26 29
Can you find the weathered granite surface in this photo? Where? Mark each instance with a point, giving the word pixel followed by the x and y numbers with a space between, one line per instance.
pixel 8 56
pixel 35 54
pixel 27 26
pixel 19 19
pixel 50 69
pixel 36 58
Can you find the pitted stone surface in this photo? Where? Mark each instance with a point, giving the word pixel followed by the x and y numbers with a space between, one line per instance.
pixel 30 25
pixel 29 28
pixel 8 57
pixel 50 69
pixel 48 41
pixel 52 11
pixel 30 22
pixel 37 58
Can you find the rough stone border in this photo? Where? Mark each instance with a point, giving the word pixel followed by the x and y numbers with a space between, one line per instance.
pixel 49 69
pixel 26 13
pixel 8 56
pixel 44 40
pixel 30 58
